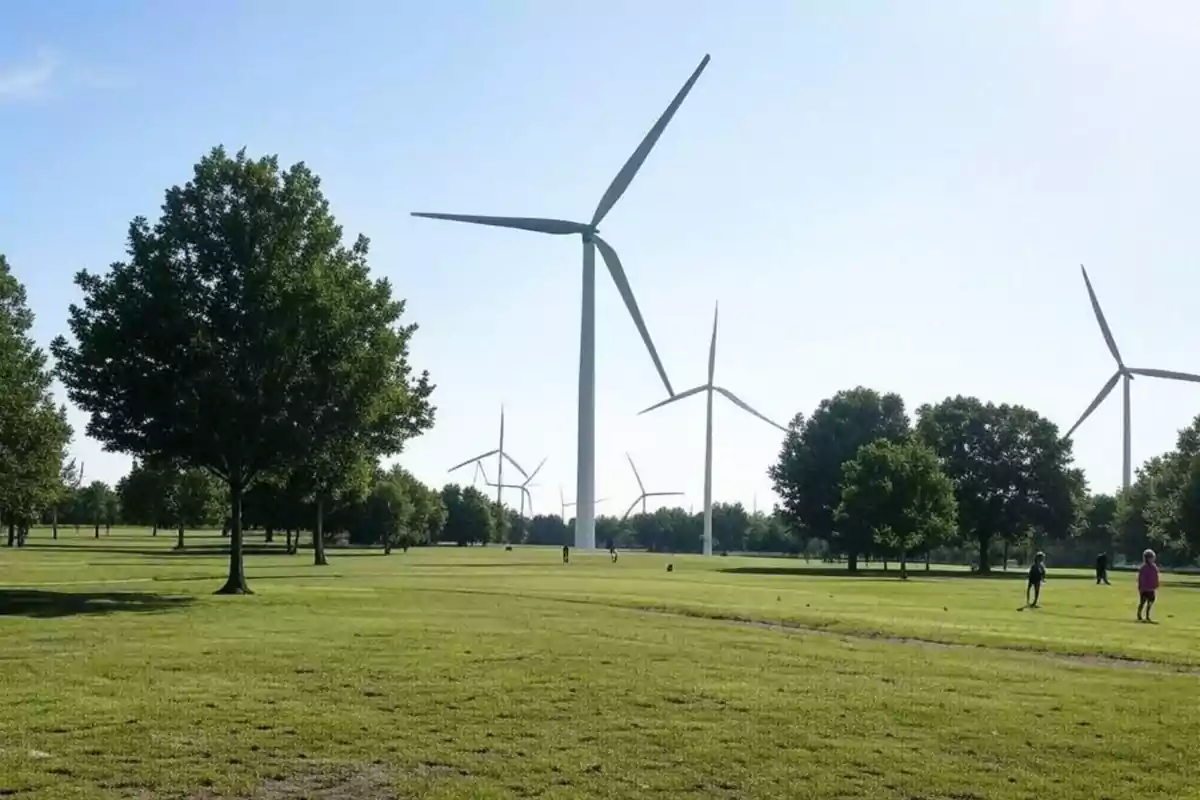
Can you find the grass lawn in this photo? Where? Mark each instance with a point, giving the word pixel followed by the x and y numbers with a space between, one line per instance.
pixel 479 673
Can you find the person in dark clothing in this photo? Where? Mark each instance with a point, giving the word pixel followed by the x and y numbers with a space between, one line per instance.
pixel 1102 569
pixel 566 554
pixel 1037 576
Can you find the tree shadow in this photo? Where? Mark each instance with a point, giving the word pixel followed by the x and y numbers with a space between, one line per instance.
pixel 161 552
pixel 43 604
pixel 914 573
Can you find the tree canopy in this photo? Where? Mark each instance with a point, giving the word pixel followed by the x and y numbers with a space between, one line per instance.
pixel 242 336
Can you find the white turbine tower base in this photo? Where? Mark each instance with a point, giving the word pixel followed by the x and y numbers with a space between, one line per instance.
pixel 585 491
pixel 641 498
pixel 501 457
pixel 1124 374
pixel 709 389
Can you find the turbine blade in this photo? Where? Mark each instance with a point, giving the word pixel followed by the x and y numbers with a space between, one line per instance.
pixel 627 173
pixel 473 460
pixel 632 506
pixel 674 398
pixel 513 461
pixel 1168 374
pixel 1104 392
pixel 665 494
pixel 618 276
pixel 557 227
pixel 641 488
pixel 1104 329
pixel 745 407
pixel 712 348
pixel 536 470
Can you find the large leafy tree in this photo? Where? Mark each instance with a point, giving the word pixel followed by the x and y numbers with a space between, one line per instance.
pixel 896 497
pixel 1167 496
pixel 469 517
pixel 98 504
pixel 147 493
pixel 808 474
pixel 1012 471
pixel 34 432
pixel 242 336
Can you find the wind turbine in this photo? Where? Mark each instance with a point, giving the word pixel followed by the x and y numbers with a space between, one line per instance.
pixel 501 457
pixel 585 491
pixel 709 388
pixel 523 487
pixel 480 472
pixel 644 494
pixel 1124 374
pixel 564 505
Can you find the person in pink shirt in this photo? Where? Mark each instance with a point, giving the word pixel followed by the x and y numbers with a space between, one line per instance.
pixel 1147 584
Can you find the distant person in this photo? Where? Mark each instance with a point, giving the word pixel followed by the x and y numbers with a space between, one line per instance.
pixel 1147 584
pixel 1102 569
pixel 1037 576
pixel 566 554
pixel 612 551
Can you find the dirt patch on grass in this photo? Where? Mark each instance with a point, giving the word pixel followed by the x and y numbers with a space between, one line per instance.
pixel 331 782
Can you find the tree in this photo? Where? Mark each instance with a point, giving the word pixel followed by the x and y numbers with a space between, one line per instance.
pixel 469 516
pixel 808 474
pixel 730 526
pixel 99 503
pixel 70 476
pixel 146 493
pixel 197 500
pixel 34 432
pixel 1163 508
pixel 241 336
pixel 895 495
pixel 547 529
pixel 1011 470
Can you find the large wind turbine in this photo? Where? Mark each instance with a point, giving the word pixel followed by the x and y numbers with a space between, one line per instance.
pixel 522 487
pixel 1124 374
pixel 585 491
pixel 501 457
pixel 709 388
pixel 644 494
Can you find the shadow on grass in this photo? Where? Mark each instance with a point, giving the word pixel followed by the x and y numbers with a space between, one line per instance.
pixel 914 573
pixel 42 604
pixel 158 552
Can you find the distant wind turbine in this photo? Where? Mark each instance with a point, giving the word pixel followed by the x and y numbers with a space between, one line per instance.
pixel 585 492
pixel 1124 374
pixel 523 487
pixel 709 388
pixel 644 494
pixel 501 457
pixel 564 505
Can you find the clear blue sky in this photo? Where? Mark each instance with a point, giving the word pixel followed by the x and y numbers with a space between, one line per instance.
pixel 890 194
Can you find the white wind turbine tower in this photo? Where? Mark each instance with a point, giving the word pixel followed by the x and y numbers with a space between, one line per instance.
pixel 709 388
pixel 501 457
pixel 585 491
pixel 1125 374
pixel 644 494
pixel 523 487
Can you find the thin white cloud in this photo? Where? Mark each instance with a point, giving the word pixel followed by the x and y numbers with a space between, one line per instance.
pixel 29 80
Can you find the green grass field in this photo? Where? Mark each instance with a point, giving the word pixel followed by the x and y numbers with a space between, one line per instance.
pixel 480 673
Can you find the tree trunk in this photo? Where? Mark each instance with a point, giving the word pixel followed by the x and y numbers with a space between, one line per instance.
pixel 236 584
pixel 885 563
pixel 54 521
pixel 927 561
pixel 12 532
pixel 852 562
pixel 1006 555
pixel 904 565
pixel 22 534
pixel 154 530
pixel 288 545
pixel 97 536
pixel 270 534
pixel 107 528
pixel 319 536
pixel 179 541
pixel 985 561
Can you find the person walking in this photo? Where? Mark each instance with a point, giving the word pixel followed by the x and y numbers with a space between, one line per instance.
pixel 1102 569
